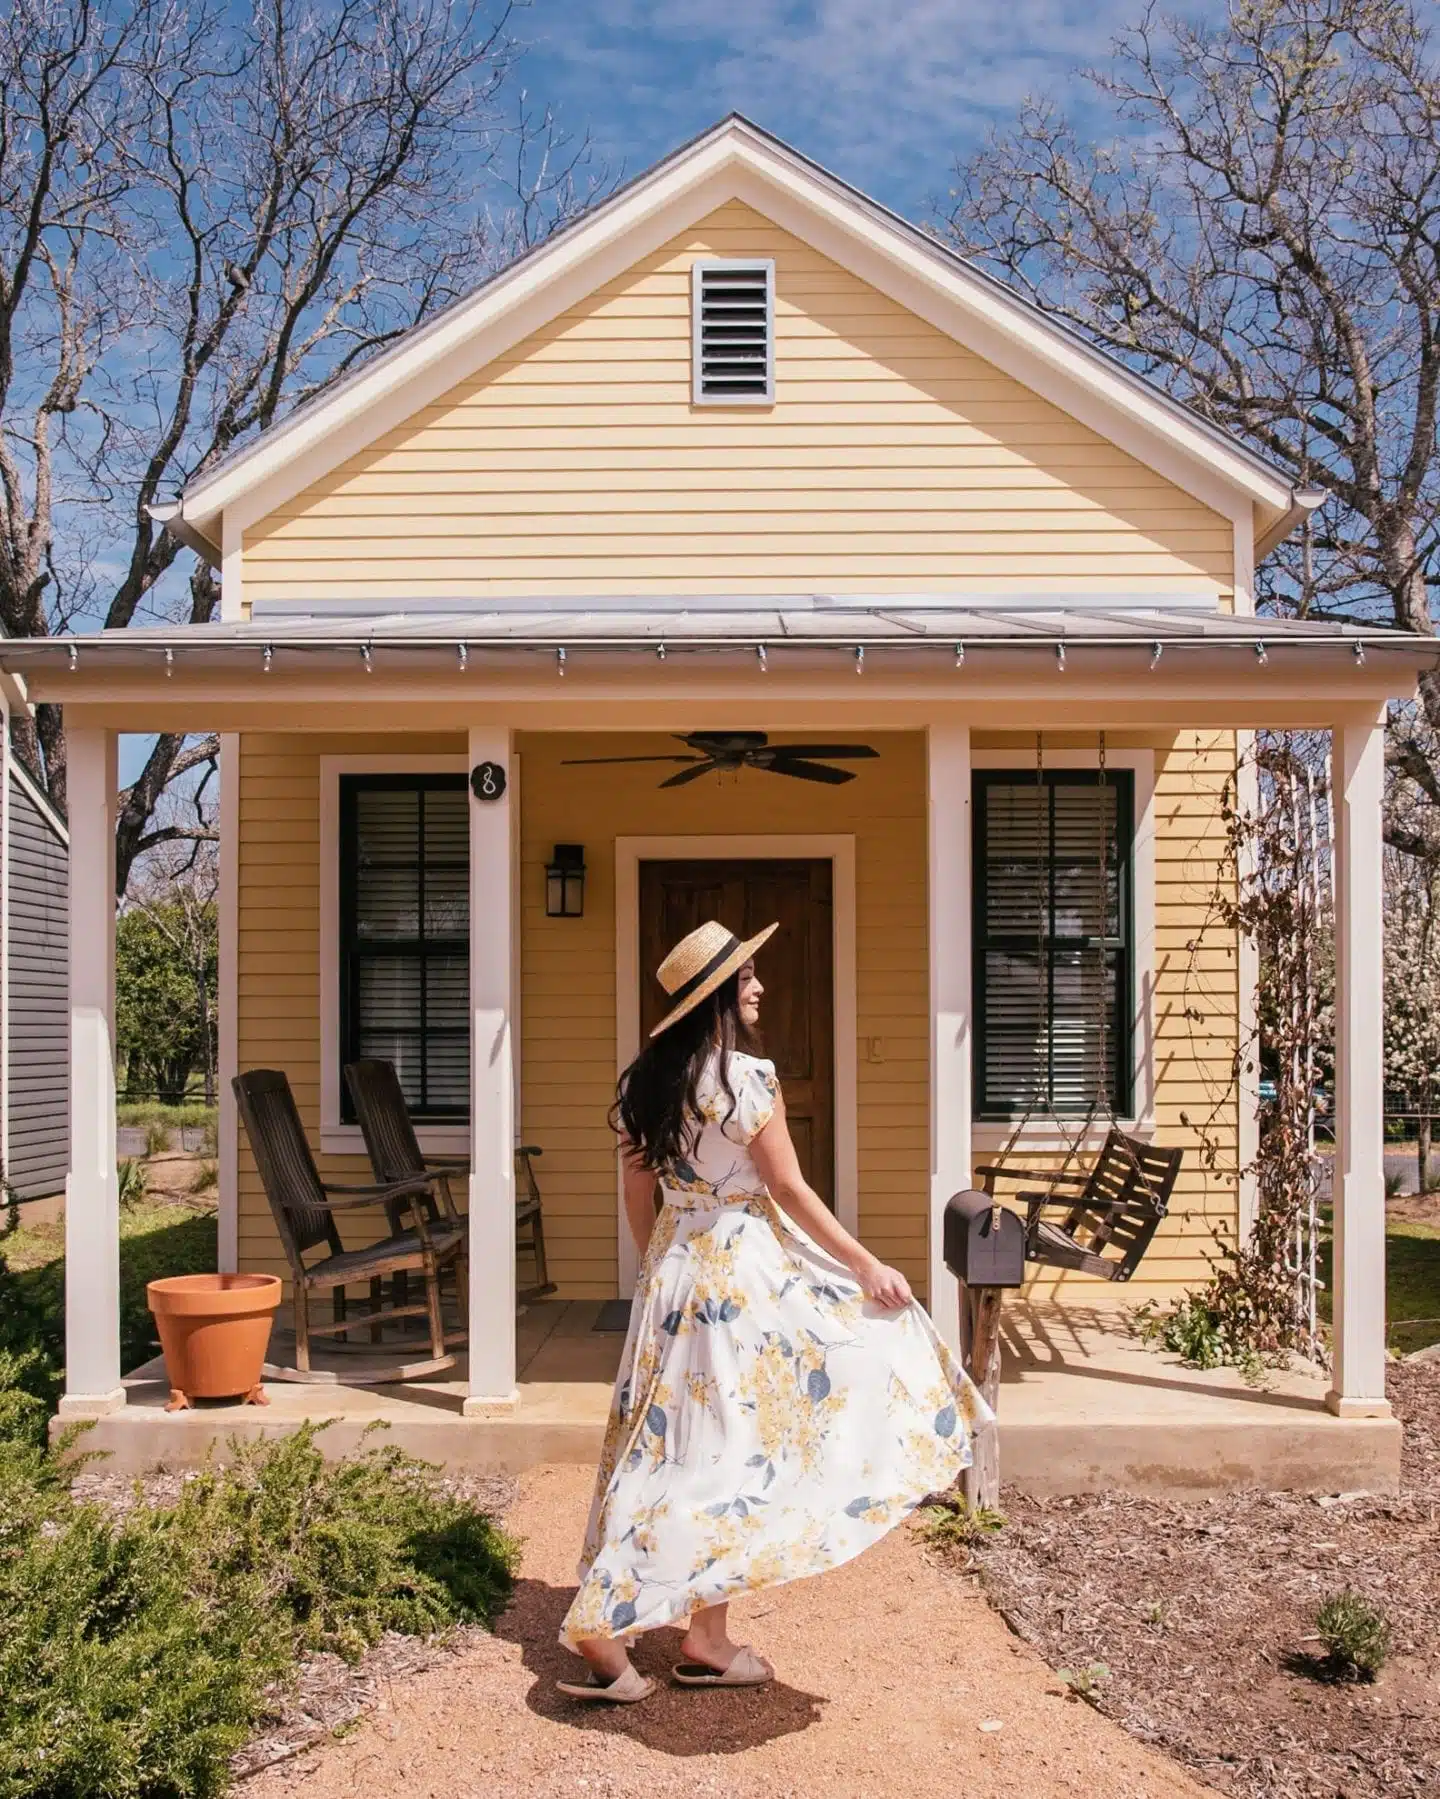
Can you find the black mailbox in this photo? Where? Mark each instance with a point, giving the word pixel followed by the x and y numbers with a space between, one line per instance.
pixel 984 1242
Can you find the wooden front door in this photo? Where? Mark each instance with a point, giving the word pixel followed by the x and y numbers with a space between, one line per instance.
pixel 796 968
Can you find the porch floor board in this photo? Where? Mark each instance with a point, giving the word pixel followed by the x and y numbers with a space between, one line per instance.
pixel 1083 1407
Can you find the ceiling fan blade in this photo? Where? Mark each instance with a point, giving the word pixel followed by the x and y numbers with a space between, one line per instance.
pixel 688 774
pixel 833 751
pixel 592 761
pixel 807 771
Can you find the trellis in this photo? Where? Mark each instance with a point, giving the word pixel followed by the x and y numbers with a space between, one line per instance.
pixel 1275 887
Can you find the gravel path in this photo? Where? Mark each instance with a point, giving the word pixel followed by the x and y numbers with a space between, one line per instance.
pixel 895 1678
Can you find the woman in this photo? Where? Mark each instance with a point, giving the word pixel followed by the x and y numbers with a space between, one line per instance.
pixel 782 1400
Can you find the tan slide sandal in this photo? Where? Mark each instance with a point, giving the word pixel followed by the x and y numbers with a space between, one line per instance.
pixel 626 1689
pixel 746 1669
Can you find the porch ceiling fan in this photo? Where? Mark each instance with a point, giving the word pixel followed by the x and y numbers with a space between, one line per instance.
pixel 724 750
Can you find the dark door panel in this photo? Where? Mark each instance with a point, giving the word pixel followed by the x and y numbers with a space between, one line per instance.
pixel 795 968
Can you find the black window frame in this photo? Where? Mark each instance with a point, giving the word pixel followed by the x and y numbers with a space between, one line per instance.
pixel 1121 1100
pixel 354 950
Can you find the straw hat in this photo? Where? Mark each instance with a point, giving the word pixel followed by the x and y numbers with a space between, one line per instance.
pixel 700 963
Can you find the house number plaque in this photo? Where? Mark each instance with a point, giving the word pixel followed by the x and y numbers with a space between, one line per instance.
pixel 487 781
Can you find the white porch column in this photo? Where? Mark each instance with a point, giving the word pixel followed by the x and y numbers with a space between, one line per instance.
pixel 1358 761
pixel 951 1097
pixel 92 1201
pixel 492 1099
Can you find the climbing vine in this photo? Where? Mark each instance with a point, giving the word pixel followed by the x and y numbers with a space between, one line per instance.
pixel 1272 889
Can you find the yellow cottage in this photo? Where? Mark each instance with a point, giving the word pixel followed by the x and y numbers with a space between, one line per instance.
pixel 740 461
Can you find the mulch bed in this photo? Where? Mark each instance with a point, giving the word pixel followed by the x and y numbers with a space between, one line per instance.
pixel 1203 1615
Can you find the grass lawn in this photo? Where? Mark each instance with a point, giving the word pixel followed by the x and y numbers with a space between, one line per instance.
pixel 1412 1284
pixel 156 1238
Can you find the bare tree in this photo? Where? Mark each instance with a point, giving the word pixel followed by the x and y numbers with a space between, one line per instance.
pixel 1262 235
pixel 168 968
pixel 209 215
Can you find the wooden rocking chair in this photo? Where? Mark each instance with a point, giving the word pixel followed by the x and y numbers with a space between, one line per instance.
pixel 304 1210
pixel 1108 1225
pixel 395 1154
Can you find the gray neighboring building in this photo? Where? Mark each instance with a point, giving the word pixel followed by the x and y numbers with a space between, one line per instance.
pixel 34 983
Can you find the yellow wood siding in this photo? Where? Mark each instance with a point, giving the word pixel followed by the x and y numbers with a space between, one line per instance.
pixel 568 977
pixel 1196 1006
pixel 278 950
pixel 893 460
pixel 568 970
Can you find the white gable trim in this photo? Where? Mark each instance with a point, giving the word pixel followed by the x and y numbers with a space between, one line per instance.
pixel 737 162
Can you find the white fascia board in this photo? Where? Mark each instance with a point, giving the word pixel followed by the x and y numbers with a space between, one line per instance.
pixel 734 163
pixel 1302 504
pixel 171 517
pixel 13 688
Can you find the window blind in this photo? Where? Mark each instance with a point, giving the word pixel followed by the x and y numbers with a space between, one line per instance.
pixel 405 934
pixel 1053 942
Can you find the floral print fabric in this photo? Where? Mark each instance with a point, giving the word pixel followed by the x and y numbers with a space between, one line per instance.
pixel 768 1421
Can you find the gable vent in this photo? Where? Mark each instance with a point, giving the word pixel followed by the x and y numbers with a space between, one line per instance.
pixel 733 333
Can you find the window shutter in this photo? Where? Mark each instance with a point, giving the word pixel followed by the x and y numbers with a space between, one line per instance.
pixel 733 333
pixel 1052 946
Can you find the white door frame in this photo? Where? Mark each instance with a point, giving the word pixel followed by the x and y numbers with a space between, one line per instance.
pixel 780 846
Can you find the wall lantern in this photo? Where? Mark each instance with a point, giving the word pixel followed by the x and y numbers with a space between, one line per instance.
pixel 565 882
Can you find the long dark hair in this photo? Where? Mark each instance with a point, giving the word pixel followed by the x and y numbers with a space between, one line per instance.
pixel 657 1104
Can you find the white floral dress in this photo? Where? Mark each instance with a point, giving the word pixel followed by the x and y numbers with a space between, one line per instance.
pixel 768 1421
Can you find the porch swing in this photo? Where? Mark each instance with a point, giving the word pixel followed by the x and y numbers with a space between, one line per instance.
pixel 1109 1222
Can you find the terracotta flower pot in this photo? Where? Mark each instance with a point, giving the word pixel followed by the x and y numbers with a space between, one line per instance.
pixel 214 1330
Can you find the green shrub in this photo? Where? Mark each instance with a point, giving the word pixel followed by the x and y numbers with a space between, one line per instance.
pixel 133 1182
pixel 1356 1635
pixel 954 1523
pixel 30 1351
pixel 347 1550
pixel 135 1652
pixel 157 1137
pixel 1198 1334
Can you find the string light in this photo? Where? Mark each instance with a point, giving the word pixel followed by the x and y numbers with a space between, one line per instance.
pixel 859 659
pixel 1157 650
pixel 660 650
pixel 462 652
pixel 365 658
pixel 959 655
pixel 1060 657
pixel 1359 655
pixel 560 662
pixel 1261 655
pixel 269 656
pixel 169 663
pixel 762 659
pixel 74 658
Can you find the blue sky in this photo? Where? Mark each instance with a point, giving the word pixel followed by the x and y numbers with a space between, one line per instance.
pixel 884 92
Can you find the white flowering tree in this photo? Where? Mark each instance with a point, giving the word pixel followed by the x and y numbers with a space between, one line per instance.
pixel 1412 996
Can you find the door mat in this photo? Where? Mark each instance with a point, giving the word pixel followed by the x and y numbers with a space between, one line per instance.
pixel 614 1315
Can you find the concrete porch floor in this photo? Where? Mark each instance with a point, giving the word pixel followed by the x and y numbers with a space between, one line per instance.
pixel 1083 1407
